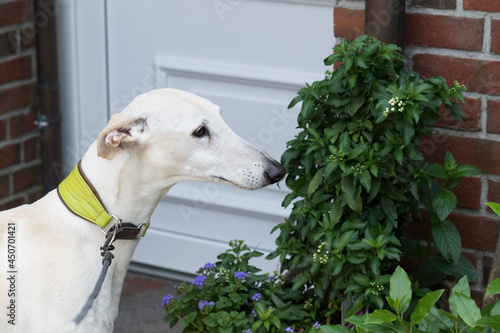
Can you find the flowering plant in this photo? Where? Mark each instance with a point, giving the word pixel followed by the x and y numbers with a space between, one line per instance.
pixel 234 296
pixel 357 172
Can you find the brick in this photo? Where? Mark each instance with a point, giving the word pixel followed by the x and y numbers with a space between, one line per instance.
pixel 441 31
pixel 438 4
pixel 493 117
pixel 22 124
pixel 477 296
pixel 31 149
pixel 26 178
pixel 472 115
pixel 12 203
pixel 479 76
pixel 493 192
pixel 348 23
pixel 3 130
pixel 28 37
pixel 469 193
pixel 16 69
pixel 12 12
pixel 487 264
pixel 9 155
pixel 4 186
pixel 8 43
pixel 476 232
pixel 481 153
pixel 17 98
pixel 35 196
pixel 495 36
pixel 482 5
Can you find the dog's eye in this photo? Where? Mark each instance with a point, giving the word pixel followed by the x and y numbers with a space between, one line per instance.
pixel 200 132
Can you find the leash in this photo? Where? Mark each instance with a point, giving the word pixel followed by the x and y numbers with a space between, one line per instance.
pixel 119 230
pixel 106 262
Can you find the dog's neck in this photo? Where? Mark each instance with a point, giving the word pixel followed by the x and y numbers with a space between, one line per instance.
pixel 124 194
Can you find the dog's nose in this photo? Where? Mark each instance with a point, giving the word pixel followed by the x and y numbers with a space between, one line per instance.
pixel 274 172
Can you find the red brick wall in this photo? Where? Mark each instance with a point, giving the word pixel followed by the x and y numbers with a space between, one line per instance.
pixel 20 162
pixel 460 40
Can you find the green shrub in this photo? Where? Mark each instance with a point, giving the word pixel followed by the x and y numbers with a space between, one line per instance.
pixel 357 173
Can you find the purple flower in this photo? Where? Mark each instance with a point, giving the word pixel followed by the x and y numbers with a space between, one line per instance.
pixel 248 331
pixel 289 329
pixel 270 278
pixel 257 297
pixel 202 303
pixel 254 313
pixel 199 280
pixel 167 299
pixel 240 275
pixel 316 325
pixel 208 265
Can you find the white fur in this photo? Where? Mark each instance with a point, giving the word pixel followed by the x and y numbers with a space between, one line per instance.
pixel 144 150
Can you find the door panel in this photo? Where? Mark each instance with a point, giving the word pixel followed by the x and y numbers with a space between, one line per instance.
pixel 250 57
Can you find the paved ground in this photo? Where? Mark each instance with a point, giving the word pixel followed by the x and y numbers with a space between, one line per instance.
pixel 140 305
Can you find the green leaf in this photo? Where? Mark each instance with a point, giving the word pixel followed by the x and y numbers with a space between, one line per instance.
pixel 314 184
pixel 400 289
pixel 398 154
pixel 380 317
pixel 422 87
pixel 436 170
pixel 355 153
pixel 365 179
pixel 299 281
pixel 444 203
pixel 333 58
pixel 275 321
pixel 351 194
pixel 344 240
pixel 447 240
pixel 334 329
pixel 256 325
pixel 495 206
pixel 307 105
pixel 463 170
pixel 389 208
pixel 492 321
pixel 425 305
pixel 461 268
pixel 467 309
pixel 449 161
pixel 359 322
pixel 209 321
pixel 361 279
pixel 493 287
pixel 188 319
pixel 409 132
pixel 354 105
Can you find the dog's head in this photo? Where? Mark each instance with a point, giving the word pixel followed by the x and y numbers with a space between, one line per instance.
pixel 181 136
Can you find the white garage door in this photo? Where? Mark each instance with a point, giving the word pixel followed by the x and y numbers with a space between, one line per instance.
pixel 248 56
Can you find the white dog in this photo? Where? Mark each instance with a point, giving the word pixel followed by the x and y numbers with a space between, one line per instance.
pixel 163 137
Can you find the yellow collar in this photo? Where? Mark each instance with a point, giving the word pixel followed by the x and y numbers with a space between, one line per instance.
pixel 81 198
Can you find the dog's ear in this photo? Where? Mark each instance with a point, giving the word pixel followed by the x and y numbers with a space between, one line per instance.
pixel 121 128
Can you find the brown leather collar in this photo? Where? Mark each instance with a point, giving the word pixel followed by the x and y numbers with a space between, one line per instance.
pixel 119 229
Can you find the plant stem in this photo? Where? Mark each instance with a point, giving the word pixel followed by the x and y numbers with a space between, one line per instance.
pixel 330 304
